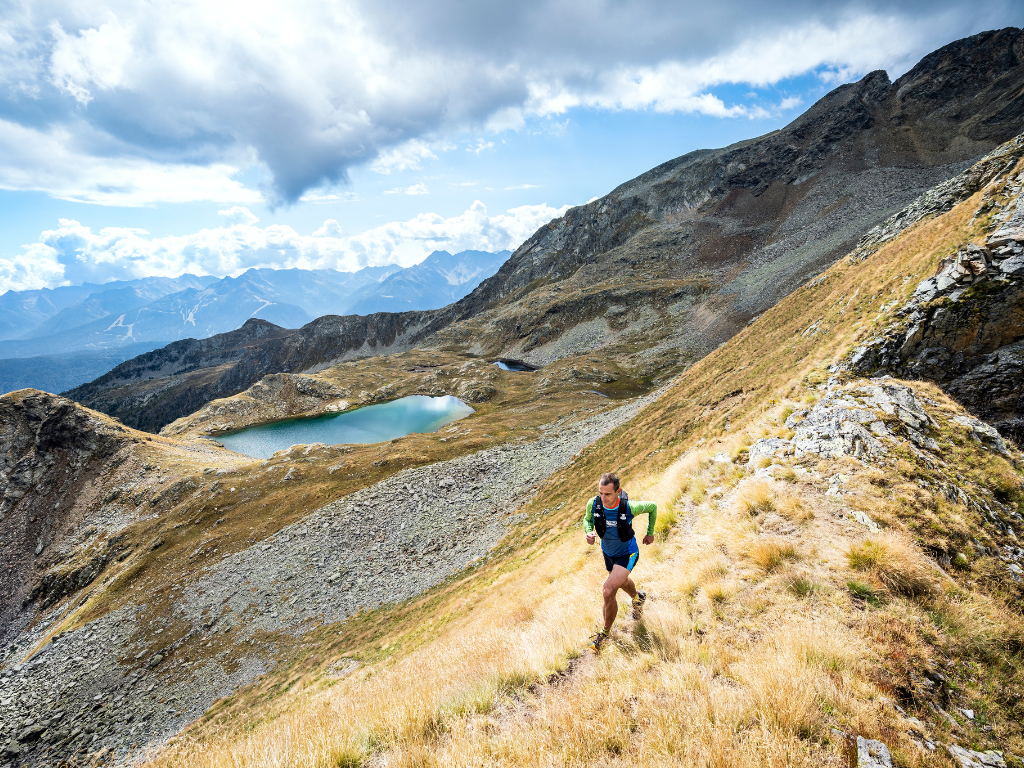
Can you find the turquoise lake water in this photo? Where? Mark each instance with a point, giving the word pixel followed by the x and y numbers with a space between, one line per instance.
pixel 372 424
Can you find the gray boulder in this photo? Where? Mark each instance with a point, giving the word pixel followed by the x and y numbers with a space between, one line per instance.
pixel 872 754
pixel 968 758
pixel 769 447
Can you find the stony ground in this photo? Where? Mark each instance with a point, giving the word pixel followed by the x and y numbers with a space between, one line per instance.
pixel 382 544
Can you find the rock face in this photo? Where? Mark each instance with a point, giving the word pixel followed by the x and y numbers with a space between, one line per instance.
pixel 673 263
pixel 964 327
pixel 53 450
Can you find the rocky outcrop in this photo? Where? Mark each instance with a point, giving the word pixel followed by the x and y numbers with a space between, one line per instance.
pixel 875 421
pixel 964 327
pixel 52 451
pixel 855 421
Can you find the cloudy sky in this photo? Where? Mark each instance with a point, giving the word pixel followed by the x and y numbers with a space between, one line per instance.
pixel 162 137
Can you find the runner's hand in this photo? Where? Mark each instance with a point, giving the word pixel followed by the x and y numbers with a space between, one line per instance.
pixel 590 538
pixel 648 539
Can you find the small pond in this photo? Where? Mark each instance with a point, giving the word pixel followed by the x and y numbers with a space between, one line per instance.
pixel 372 424
pixel 514 365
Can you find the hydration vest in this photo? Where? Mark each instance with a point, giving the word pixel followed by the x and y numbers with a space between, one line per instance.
pixel 624 522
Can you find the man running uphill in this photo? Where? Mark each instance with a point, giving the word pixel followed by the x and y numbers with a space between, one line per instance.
pixel 611 513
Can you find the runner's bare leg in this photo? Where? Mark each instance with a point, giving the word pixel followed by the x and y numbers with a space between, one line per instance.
pixel 617 579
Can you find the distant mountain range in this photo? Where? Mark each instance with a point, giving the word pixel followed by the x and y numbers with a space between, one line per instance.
pixel 435 282
pixel 26 314
pixel 104 325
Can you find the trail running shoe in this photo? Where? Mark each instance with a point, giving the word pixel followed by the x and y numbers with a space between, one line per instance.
pixel 596 640
pixel 638 605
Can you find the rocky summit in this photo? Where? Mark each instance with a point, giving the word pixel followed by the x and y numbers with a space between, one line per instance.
pixel 804 348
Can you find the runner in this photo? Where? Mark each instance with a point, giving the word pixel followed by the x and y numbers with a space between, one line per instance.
pixel 611 513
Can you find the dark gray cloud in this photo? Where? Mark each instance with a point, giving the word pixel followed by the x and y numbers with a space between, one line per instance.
pixel 125 102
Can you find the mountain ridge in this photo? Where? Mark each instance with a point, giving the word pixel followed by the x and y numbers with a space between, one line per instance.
pixel 671 264
pixel 169 309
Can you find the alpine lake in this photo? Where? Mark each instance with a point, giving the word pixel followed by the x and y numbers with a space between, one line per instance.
pixel 370 424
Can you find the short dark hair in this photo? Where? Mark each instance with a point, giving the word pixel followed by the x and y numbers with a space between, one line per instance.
pixel 610 478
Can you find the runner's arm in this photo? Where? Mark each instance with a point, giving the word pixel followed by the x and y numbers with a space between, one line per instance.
pixel 648 508
pixel 588 518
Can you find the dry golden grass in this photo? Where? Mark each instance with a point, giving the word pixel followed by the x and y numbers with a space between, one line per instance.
pixel 790 506
pixel 897 563
pixel 754 497
pixel 770 554
pixel 788 474
pixel 698 490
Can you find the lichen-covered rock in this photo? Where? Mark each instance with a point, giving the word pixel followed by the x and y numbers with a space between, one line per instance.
pixel 872 754
pixel 968 758
pixel 852 421
pixel 768 447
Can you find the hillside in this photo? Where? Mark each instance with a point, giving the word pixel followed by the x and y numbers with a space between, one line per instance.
pixel 815 587
pixel 836 558
pixel 673 263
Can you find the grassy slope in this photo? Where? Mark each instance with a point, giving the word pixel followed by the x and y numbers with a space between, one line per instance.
pixel 761 635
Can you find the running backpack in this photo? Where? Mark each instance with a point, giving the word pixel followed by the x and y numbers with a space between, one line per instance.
pixel 624 522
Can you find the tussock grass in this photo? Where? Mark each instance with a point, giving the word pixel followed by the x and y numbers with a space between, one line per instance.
pixel 804 586
pixel 718 591
pixel 788 474
pixel 895 562
pixel 754 497
pixel 698 490
pixel 770 554
pixel 791 507
pixel 863 591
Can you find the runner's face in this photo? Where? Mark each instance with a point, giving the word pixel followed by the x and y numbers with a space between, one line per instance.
pixel 609 494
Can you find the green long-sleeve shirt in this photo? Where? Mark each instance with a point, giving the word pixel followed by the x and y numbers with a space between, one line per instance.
pixel 610 542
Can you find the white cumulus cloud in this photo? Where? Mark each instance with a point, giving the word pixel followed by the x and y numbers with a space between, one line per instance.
pixel 129 103
pixel 73 253
pixel 414 189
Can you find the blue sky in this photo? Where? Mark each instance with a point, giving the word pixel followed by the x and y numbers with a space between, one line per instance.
pixel 142 139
